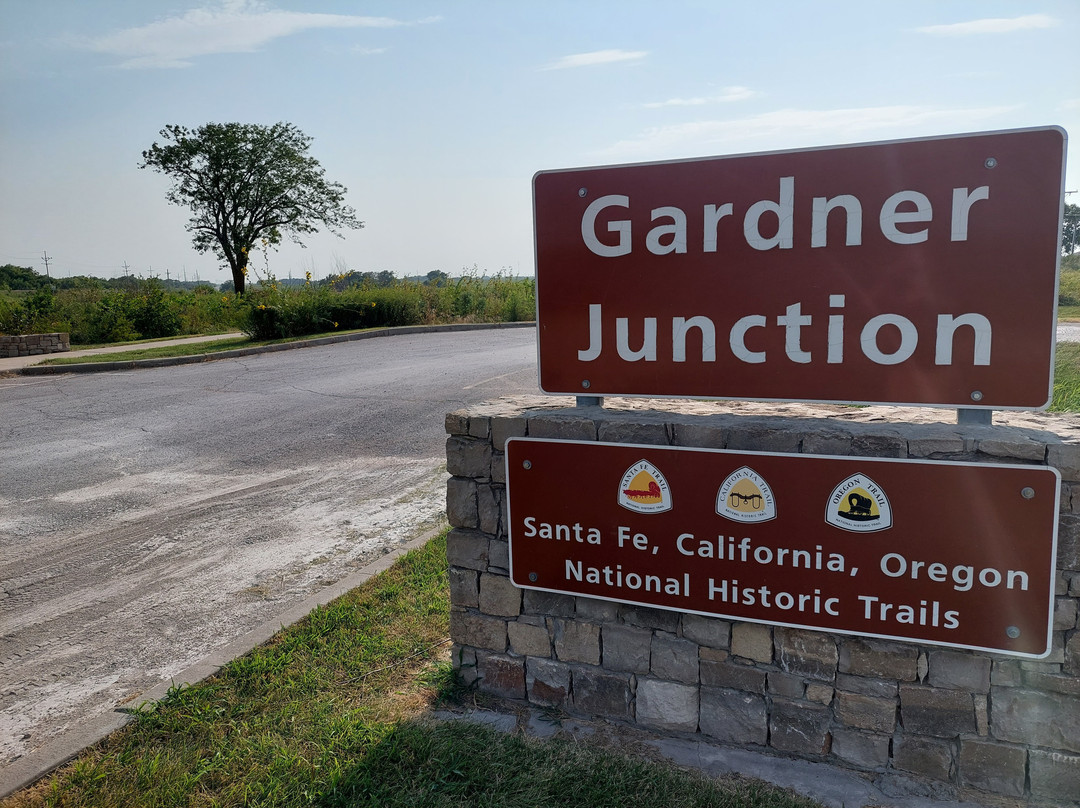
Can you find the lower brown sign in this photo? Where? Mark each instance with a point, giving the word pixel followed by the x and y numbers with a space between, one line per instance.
pixel 956 554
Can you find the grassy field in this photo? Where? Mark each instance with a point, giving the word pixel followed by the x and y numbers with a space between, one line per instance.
pixel 331 713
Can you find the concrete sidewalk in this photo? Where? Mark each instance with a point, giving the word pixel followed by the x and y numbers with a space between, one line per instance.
pixel 16 363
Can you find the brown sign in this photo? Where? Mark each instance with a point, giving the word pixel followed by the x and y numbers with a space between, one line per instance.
pixel 954 554
pixel 908 272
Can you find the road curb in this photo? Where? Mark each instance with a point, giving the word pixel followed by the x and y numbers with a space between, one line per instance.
pixel 64 747
pixel 172 361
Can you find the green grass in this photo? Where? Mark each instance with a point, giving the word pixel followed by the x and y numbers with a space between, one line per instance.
pixel 1066 378
pixel 330 713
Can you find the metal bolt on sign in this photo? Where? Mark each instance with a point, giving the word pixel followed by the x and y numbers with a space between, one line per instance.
pixel 1027 492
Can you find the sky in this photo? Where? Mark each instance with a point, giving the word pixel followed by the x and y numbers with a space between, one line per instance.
pixel 436 114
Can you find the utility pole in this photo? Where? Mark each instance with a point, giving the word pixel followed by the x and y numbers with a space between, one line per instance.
pixel 46 258
pixel 125 266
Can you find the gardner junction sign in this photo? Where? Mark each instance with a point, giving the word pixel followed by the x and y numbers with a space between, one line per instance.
pixel 916 272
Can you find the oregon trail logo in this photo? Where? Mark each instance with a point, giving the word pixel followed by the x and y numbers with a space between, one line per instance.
pixel 644 489
pixel 745 497
pixel 858 504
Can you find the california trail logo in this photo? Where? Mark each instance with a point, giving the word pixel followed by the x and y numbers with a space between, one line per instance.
pixel 745 497
pixel 643 489
pixel 858 504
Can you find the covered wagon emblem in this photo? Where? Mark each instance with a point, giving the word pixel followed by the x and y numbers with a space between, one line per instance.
pixel 859 504
pixel 644 489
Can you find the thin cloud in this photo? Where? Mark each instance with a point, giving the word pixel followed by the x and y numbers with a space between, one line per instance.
pixel 727 96
pixel 232 26
pixel 600 57
pixel 794 128
pixel 991 25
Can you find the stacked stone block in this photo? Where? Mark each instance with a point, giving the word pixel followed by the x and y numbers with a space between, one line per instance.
pixel 33 344
pixel 933 720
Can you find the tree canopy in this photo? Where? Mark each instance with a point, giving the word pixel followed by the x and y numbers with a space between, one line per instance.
pixel 247 184
pixel 1070 229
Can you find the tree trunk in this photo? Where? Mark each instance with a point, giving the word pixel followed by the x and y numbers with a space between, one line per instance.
pixel 238 279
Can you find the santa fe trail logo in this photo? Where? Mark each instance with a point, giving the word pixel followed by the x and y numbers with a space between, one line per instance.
pixel 858 504
pixel 745 497
pixel 644 489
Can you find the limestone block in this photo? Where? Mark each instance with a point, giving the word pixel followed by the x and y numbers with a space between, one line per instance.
pixel 708 631
pixel 820 692
pixel 464 662
pixel 940 713
pixel 826 443
pixel 1072 656
pixel 1006 673
pixel 464 587
pixel 707 436
pixel 935 446
pixel 478 630
pixel 674 658
pixel 863 749
pixel 1065 611
pixel 812 654
pixel 505 427
pixel 1068 556
pixel 868 686
pixel 577 641
pixel 498 468
pixel 547 682
pixel 480 427
pixel 467 548
pixel 1017 448
pixel 733 716
pixel 562 427
pixel 1054 776
pixel 993 767
pixel 537 602
pixel 1065 457
pixel 752 641
pixel 499 555
pixel 468 457
pixel 716 669
pixel 923 756
pixel 799 727
pixel 1050 720
pixel 457 422
pixel 651 434
pixel 599 611
pixel 600 693
pixel 461 503
pixel 866 712
pixel 645 617
pixel 879 446
pixel 627 648
pixel 879 658
pixel 501 675
pixel 488 508
pixel 785 684
pixel 671 706
pixel 498 596
pixel 528 639
pixel 764 439
pixel 959 671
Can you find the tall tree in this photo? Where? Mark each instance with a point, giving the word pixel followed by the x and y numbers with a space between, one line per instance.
pixel 246 183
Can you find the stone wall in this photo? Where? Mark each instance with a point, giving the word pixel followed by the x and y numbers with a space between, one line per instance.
pixel 923 719
pixel 33 344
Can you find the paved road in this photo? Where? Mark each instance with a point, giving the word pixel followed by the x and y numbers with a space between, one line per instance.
pixel 147 517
